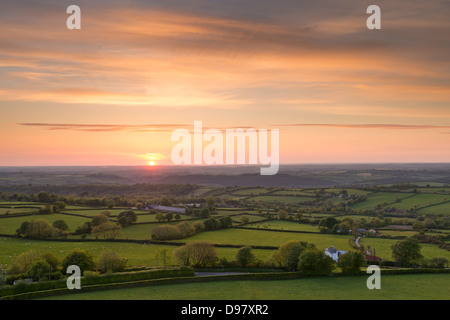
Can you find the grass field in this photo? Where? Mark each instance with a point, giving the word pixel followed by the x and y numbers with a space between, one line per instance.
pixel 269 238
pixel 284 225
pixel 384 250
pixel 420 200
pixel 137 254
pixel 282 199
pixel 11 224
pixel 443 209
pixel 380 198
pixel 393 287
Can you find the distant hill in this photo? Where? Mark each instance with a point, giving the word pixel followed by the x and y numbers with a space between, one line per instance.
pixel 326 175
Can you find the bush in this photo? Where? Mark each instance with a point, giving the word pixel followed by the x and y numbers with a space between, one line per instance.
pixel 438 262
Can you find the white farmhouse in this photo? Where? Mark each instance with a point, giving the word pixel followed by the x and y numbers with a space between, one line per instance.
pixel 334 253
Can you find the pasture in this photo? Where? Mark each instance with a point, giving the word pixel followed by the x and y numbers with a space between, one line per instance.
pixel 393 287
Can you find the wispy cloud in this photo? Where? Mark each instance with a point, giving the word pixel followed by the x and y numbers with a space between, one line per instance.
pixel 367 126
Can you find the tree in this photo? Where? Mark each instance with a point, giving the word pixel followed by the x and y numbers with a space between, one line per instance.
pixel 407 252
pixel 166 232
pixel 22 264
pixel 160 217
pixel 351 262
pixel 169 216
pixel 196 254
pixel 226 222
pixel 107 231
pixel 47 209
pixel 61 225
pixel 315 262
pixel 44 197
pixel 61 205
pixel 52 260
pixel 245 219
pixel 126 218
pixel 39 270
pixel 205 213
pixel 298 216
pixel 282 215
pixel 329 222
pixel 110 261
pixel 79 258
pixel 165 202
pixel 99 219
pixel 245 256
pixel 163 252
pixel 84 228
pixel 23 229
pixel 185 229
pixel 288 253
pixel 40 229
pixel 211 224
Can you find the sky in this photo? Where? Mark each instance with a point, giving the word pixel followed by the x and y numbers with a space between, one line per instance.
pixel 113 92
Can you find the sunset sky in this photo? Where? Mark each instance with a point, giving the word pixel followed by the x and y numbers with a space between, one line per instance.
pixel 113 92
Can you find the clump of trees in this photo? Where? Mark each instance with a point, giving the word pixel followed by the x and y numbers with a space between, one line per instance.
pixel 126 218
pixel 42 229
pixel 186 229
pixel 288 253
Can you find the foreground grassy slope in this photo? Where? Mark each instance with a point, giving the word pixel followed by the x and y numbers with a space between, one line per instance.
pixel 432 286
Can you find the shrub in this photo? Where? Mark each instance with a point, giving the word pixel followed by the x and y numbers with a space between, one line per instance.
pixel 438 262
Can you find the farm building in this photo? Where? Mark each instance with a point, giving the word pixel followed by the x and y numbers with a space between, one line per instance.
pixel 334 253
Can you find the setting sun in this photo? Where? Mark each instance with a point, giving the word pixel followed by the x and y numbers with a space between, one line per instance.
pixel 152 163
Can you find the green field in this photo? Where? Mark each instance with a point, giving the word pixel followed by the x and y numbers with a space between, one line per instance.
pixel 269 238
pixel 393 287
pixel 384 250
pixel 11 224
pixel 381 198
pixel 282 199
pixel 137 254
pixel 420 200
pixel 284 225
pixel 443 208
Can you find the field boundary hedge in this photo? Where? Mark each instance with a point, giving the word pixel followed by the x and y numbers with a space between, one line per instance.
pixel 192 279
pixel 151 282
pixel 275 230
pixel 100 280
